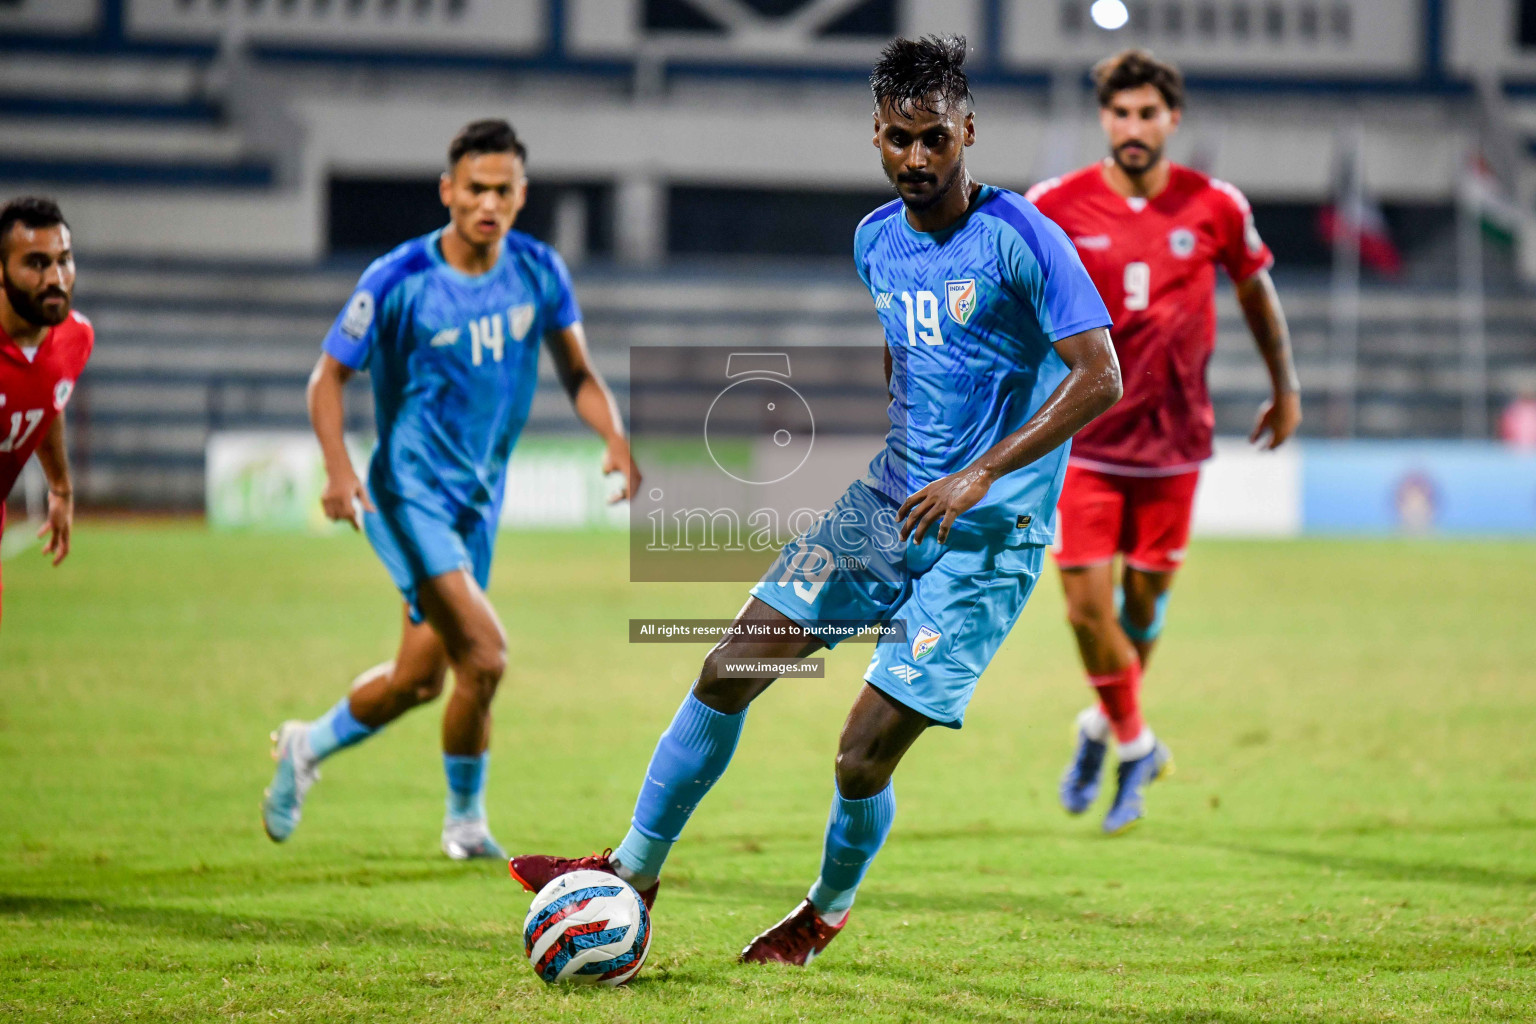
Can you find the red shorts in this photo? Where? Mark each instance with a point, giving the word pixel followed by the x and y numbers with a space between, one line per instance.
pixel 1145 518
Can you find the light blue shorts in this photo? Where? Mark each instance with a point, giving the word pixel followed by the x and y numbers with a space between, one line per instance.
pixel 416 543
pixel 957 601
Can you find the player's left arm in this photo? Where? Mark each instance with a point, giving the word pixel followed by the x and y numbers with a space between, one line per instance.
pixel 1281 415
pixel 1091 386
pixel 593 402
pixel 61 493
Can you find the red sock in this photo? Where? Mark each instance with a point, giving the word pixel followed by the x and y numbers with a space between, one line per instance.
pixel 1120 697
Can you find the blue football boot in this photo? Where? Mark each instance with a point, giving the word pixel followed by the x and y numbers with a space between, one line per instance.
pixel 1080 782
pixel 1134 777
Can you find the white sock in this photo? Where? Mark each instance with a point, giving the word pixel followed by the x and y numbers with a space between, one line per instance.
pixel 1094 724
pixel 833 918
pixel 1139 747
pixel 640 882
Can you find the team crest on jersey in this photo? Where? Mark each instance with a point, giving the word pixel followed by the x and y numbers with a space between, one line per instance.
pixel 925 641
pixel 519 319
pixel 61 392
pixel 1181 242
pixel 359 315
pixel 960 297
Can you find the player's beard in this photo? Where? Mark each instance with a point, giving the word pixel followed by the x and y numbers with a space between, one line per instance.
pixel 1154 157
pixel 31 309
pixel 937 195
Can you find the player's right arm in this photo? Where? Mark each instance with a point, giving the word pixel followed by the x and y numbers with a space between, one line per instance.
pixel 344 492
pixel 347 348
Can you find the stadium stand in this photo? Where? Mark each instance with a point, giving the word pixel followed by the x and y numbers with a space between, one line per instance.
pixel 230 166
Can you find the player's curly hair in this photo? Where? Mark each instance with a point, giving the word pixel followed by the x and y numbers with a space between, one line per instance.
pixel 1132 69
pixel 492 135
pixel 918 73
pixel 29 211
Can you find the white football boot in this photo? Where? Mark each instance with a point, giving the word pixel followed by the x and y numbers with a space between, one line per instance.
pixel 297 770
pixel 470 839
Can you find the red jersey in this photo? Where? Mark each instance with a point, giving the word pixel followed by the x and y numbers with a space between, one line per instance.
pixel 34 389
pixel 1154 262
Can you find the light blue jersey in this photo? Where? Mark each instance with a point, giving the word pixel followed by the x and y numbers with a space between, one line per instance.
pixel 454 361
pixel 970 316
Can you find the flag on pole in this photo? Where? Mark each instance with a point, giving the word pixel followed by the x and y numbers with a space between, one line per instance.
pixel 1492 201
pixel 1355 216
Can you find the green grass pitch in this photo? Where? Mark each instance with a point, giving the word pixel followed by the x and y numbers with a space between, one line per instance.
pixel 1351 834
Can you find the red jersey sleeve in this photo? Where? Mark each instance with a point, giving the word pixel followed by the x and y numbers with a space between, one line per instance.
pixel 1239 247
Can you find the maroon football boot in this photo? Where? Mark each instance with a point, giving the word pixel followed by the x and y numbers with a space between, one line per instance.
pixel 535 871
pixel 798 939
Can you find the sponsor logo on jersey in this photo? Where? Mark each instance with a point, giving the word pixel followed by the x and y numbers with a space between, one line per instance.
pixel 906 673
pixel 1181 242
pixel 1093 242
pixel 61 392
pixel 960 297
pixel 926 640
pixel 519 319
pixel 883 300
pixel 359 315
pixel 444 338
pixel 1022 522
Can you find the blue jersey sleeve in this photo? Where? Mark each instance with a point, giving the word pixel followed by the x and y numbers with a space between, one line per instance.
pixel 560 306
pixel 352 337
pixel 864 237
pixel 1042 268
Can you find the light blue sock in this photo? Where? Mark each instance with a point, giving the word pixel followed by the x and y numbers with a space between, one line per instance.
pixel 856 829
pixel 1154 628
pixel 690 756
pixel 337 729
pixel 466 784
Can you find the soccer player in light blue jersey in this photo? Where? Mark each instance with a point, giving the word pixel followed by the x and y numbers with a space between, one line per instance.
pixel 996 353
pixel 449 327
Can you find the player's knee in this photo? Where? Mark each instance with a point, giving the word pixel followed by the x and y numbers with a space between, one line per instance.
pixel 1089 621
pixel 483 665
pixel 861 773
pixel 429 689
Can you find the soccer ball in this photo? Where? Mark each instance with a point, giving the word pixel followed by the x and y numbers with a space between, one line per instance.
pixel 588 927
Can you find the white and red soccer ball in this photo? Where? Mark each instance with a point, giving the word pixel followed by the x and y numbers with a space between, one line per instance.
pixel 588 927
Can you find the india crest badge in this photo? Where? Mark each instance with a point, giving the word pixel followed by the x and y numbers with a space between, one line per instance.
pixel 925 640
pixel 960 298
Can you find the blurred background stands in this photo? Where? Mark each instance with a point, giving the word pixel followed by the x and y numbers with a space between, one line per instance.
pixel 231 165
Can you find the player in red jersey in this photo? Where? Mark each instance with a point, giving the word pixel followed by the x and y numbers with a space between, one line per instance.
pixel 1151 234
pixel 44 345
